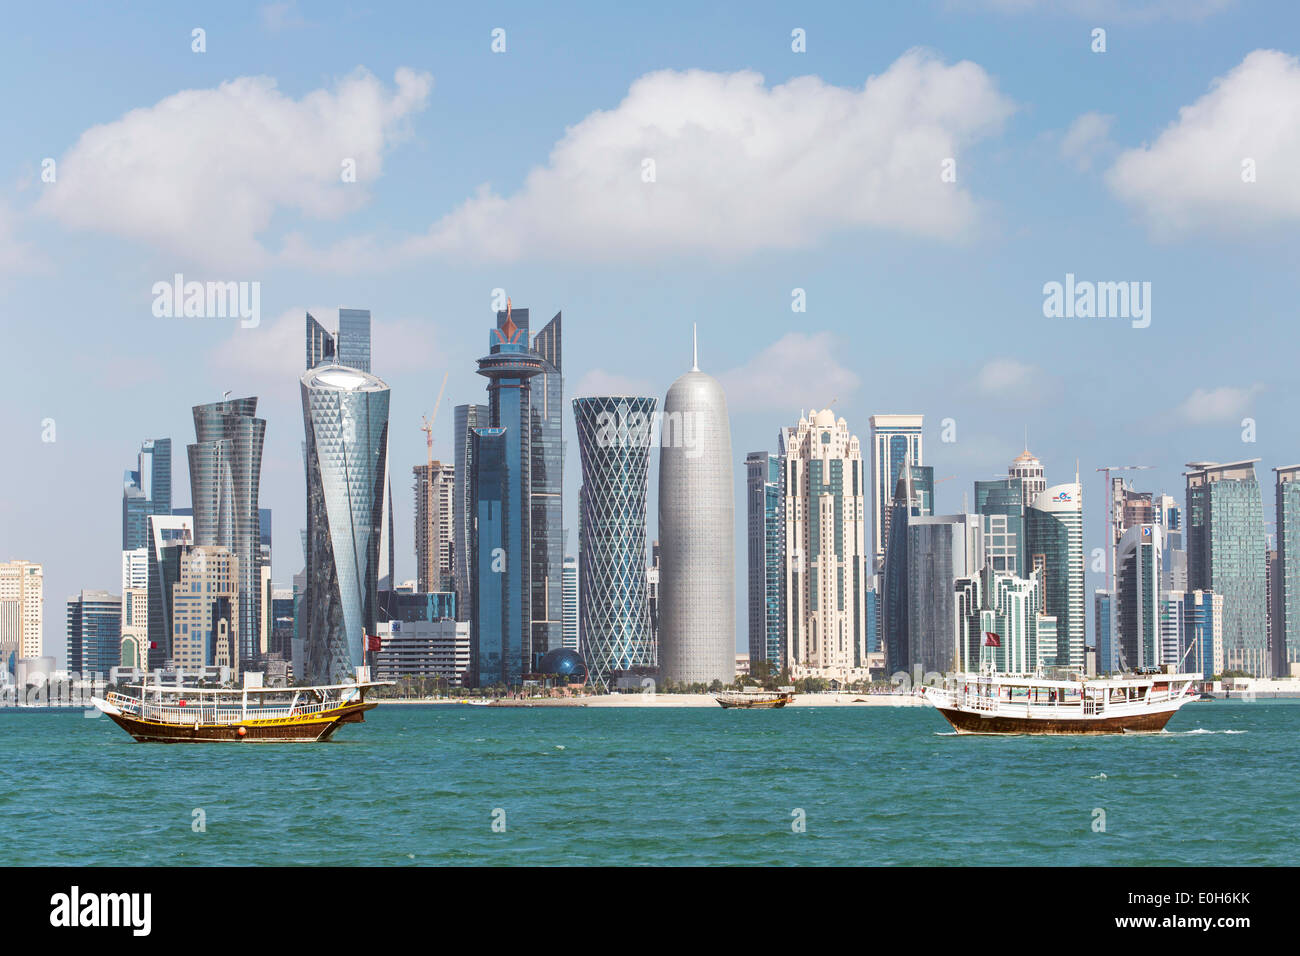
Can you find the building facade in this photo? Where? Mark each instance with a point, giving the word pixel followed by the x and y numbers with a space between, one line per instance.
pixel 1001 506
pixel 146 491
pixel 166 534
pixel 1286 580
pixel 1137 598
pixel 435 550
pixel 895 439
pixel 1103 623
pixel 1225 554
pixel 205 610
pixel 1009 607
pixel 345 417
pixel 697 521
pixel 826 550
pixel 940 550
pixel 570 582
pixel 765 497
pixel 94 644
pixel 1054 533
pixel 437 650
pixel 466 418
pixel 614 437
pixel 22 610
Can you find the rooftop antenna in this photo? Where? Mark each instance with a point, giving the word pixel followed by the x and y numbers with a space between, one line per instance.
pixel 695 347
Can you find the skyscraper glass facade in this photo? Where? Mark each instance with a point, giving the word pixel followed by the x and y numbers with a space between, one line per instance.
pixel 546 484
pixel 94 633
pixel 614 436
pixel 1286 586
pixel 1054 542
pixel 466 419
pixel 765 481
pixel 1001 506
pixel 894 440
pixel 146 491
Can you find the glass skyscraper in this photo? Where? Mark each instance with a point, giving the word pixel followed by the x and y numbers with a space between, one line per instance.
pixel 467 418
pixel 94 633
pixel 913 497
pixel 146 491
pixel 225 475
pixel 1103 623
pixel 895 439
pixel 1137 598
pixel 940 549
pixel 1054 549
pixel 1001 505
pixel 345 416
pixel 1225 554
pixel 765 483
pixel 614 436
pixel 1286 585
pixel 546 487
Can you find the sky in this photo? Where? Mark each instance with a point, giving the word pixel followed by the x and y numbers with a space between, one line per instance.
pixel 922 172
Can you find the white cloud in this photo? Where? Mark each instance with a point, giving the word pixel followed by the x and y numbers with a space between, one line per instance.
pixel 599 382
pixel 1004 375
pixel 1087 138
pixel 741 166
pixel 799 367
pixel 1192 175
pixel 202 173
pixel 1207 406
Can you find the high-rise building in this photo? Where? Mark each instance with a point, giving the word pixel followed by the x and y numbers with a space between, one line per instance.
pixel 345 416
pixel 205 609
pixel 1137 598
pixel 225 475
pixel 895 439
pixel 135 607
pixel 765 483
pixel 1054 536
pixel 1103 622
pixel 432 650
pixel 570 585
pixel 546 493
pixel 467 418
pixel 939 551
pixel 1009 607
pixel 1202 643
pixel 614 436
pixel 913 497
pixel 146 491
pixel 652 594
pixel 22 610
pixel 1001 506
pixel 1172 629
pixel 1029 470
pixel 94 633
pixel 826 550
pixel 166 534
pixel 435 556
pixel 697 521
pixel 1225 554
pixel 1286 580
pixel 349 346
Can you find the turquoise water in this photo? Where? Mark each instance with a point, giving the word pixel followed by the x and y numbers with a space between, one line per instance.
pixel 877 785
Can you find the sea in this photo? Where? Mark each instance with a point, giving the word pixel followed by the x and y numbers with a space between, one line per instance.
pixel 457 785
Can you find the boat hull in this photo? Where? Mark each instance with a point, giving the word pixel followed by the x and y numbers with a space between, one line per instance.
pixel 965 722
pixel 754 705
pixel 308 729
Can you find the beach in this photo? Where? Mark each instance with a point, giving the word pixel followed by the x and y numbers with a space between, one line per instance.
pixel 685 700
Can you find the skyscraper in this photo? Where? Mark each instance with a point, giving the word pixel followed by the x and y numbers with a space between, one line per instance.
pixel 435 556
pixel 570 583
pixel 1001 506
pixel 1054 535
pixel 94 633
pixel 614 436
pixel 205 609
pixel 940 549
pixel 146 491
pixel 765 483
pixel 1225 554
pixel 166 533
pixel 1103 623
pixel 912 496
pixel 894 440
pixel 1286 581
pixel 225 476
pixel 350 346
pixel 697 522
pixel 546 490
pixel 1029 470
pixel 1009 606
pixel 22 610
pixel 467 418
pixel 826 550
pixel 345 416
pixel 1137 598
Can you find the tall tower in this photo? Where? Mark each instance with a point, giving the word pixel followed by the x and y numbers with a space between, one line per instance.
pixel 546 491
pixel 146 491
pixel 1030 472
pixel 22 609
pixel 345 416
pixel 765 494
pixel 826 549
pixel 697 576
pixel 614 443
pixel 467 418
pixel 1054 536
pixel 1286 581
pixel 225 475
pixel 895 439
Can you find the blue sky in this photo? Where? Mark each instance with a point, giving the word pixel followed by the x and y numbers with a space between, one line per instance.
pixel 521 170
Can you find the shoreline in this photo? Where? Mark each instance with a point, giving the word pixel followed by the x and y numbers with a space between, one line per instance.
pixel 678 700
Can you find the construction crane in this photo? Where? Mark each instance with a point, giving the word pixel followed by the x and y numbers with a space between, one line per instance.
pixel 426 426
pixel 1112 519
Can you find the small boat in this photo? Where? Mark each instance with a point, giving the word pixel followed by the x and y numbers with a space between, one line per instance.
pixel 755 699
pixel 250 714
pixel 994 703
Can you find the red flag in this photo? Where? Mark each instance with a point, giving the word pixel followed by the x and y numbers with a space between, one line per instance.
pixel 373 642
pixel 991 640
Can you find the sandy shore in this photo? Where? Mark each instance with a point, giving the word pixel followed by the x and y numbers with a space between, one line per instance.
pixel 692 700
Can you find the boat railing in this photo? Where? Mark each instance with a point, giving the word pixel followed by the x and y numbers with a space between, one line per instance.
pixel 1092 702
pixel 214 713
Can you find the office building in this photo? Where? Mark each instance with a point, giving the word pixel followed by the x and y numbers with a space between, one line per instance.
pixel 1009 607
pixel 1137 598
pixel 466 419
pixel 940 549
pixel 1000 504
pixel 428 650
pixel 697 520
pixel 614 436
pixel 1286 578
pixel 765 484
pixel 895 439
pixel 146 491
pixel 166 534
pixel 913 496
pixel 1054 538
pixel 1226 548
pixel 435 557
pixel 225 476
pixel 1029 470
pixel 570 585
pixel 205 610
pixel 827 559
pixel 345 417
pixel 1103 622
pixel 1202 647
pixel 22 610
pixel 94 641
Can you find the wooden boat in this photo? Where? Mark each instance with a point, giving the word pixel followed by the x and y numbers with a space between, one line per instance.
pixel 755 699
pixel 157 714
pixel 993 703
